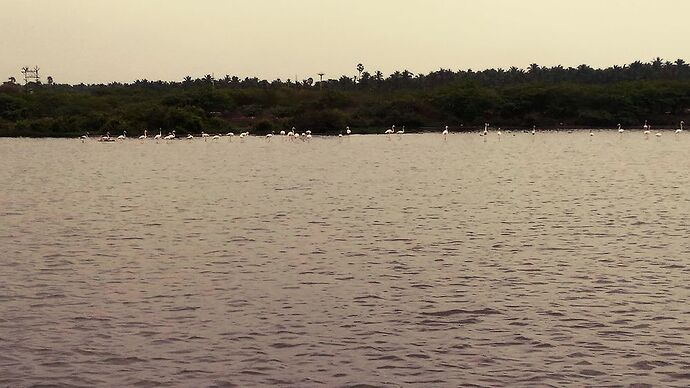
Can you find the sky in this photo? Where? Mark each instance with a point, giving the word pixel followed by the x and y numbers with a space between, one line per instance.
pixel 100 41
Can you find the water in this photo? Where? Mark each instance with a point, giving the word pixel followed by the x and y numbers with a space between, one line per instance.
pixel 555 259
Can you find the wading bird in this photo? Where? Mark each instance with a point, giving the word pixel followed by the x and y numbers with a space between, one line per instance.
pixel 445 133
pixel 144 136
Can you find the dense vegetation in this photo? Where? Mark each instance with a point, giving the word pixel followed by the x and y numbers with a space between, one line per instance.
pixel 544 96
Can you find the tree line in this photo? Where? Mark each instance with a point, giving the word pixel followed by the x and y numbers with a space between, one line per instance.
pixel 555 97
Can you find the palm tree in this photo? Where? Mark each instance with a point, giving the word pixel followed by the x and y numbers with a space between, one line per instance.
pixel 321 80
pixel 360 69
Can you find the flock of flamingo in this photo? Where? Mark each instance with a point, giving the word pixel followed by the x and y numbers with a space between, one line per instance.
pixel 306 136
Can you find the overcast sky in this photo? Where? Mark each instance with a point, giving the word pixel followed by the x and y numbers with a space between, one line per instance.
pixel 123 40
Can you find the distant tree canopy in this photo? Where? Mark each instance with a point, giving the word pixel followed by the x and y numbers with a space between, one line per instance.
pixel 658 91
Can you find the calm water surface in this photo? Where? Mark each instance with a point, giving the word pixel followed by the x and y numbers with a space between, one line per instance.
pixel 555 259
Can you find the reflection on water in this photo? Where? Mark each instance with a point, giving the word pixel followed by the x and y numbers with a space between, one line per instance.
pixel 555 259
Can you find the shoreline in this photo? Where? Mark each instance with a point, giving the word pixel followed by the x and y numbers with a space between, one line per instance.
pixel 477 130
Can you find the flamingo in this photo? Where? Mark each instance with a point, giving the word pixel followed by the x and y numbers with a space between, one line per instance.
pixel 215 137
pixel 402 131
pixel 204 135
pixel 486 129
pixel 308 136
pixel 679 130
pixel 534 129
pixel 144 136
pixel 190 137
pixel 347 130
pixel 170 136
pixel 445 133
pixel 498 132
pixel 282 133
pixel 159 136
pixel 647 129
pixel 390 130
pixel 123 136
pixel 269 136
pixel 620 130
pixel 83 138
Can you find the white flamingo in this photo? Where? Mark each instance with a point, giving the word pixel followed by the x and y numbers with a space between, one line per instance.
pixel 170 136
pixel 269 136
pixel 159 136
pixel 144 136
pixel 486 129
pixel 620 130
pixel 534 129
pixel 445 133
pixel 402 131
pixel 189 136
pixel 498 133
pixel 282 133
pixel 204 135
pixel 647 129
pixel 83 138
pixel 679 130
pixel 347 130
pixel 123 136
pixel 390 130
pixel 215 137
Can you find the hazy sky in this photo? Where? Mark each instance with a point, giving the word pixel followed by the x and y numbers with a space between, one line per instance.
pixel 123 40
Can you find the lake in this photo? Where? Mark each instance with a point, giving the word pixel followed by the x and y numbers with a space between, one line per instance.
pixel 372 261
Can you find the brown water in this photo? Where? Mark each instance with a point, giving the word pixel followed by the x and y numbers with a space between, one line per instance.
pixel 555 259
